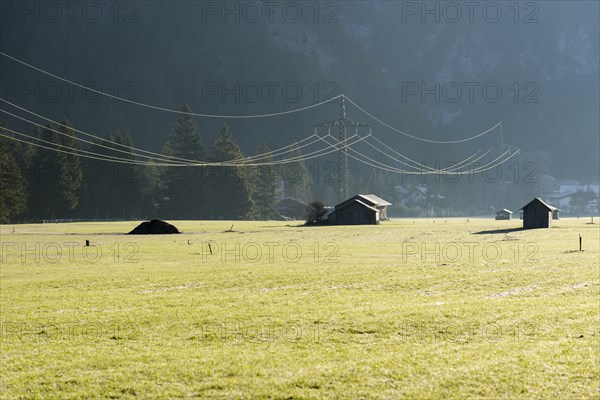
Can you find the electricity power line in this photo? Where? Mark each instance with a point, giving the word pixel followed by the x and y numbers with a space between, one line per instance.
pixel 341 96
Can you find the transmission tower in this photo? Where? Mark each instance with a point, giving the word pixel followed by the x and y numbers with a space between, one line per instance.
pixel 343 123
pixel 501 139
pixel 343 155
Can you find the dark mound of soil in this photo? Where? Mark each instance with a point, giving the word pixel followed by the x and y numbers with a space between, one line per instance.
pixel 154 227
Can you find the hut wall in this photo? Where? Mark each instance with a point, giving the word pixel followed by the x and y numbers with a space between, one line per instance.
pixel 536 216
pixel 355 214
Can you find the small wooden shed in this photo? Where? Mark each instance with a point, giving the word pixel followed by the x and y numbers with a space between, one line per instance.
pixel 537 214
pixel 503 214
pixel 354 212
pixel 556 213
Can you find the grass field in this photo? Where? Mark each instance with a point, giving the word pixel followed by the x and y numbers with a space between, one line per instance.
pixel 414 309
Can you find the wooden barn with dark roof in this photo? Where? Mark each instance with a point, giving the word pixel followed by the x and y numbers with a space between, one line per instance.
pixel 354 212
pixel 537 214
pixel 361 209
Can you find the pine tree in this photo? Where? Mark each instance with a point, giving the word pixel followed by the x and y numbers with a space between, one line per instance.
pixel 44 179
pixel 112 189
pixel 13 195
pixel 89 194
pixel 184 194
pixel 126 181
pixel 57 175
pixel 263 186
pixel 381 183
pixel 69 168
pixel 296 178
pixel 231 196
pixel 96 196
pixel 152 189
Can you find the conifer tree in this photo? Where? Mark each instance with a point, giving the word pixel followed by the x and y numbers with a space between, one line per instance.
pixel 13 195
pixel 184 194
pixel 126 184
pixel 263 186
pixel 231 196
pixel 111 189
pixel 69 168
pixel 58 174
pixel 296 178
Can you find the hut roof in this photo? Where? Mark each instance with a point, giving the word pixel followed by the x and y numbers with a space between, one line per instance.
pixel 355 200
pixel 504 210
pixel 366 205
pixel 537 199
pixel 377 201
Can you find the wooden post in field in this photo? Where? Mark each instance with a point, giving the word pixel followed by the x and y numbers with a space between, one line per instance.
pixel 87 243
pixel 580 242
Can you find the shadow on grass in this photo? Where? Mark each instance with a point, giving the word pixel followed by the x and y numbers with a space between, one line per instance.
pixel 495 231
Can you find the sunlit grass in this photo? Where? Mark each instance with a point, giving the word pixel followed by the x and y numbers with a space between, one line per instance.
pixel 280 310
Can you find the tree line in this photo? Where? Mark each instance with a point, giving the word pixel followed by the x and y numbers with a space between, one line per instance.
pixel 38 183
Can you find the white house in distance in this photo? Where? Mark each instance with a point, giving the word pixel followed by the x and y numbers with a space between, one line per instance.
pixel 561 200
pixel 569 185
pixel 416 196
pixel 560 192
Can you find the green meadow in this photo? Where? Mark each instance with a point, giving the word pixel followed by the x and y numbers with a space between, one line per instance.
pixel 419 309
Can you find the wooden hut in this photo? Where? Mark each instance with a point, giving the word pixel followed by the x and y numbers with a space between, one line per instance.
pixel 556 213
pixel 377 202
pixel 354 212
pixel 537 214
pixel 503 215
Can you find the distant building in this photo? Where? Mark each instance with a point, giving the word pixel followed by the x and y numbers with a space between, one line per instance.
pixel 361 209
pixel 416 196
pixel 556 213
pixel 571 186
pixel 568 186
pixel 503 214
pixel 591 187
pixel 401 190
pixel 537 214
pixel 575 201
pixel 562 200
